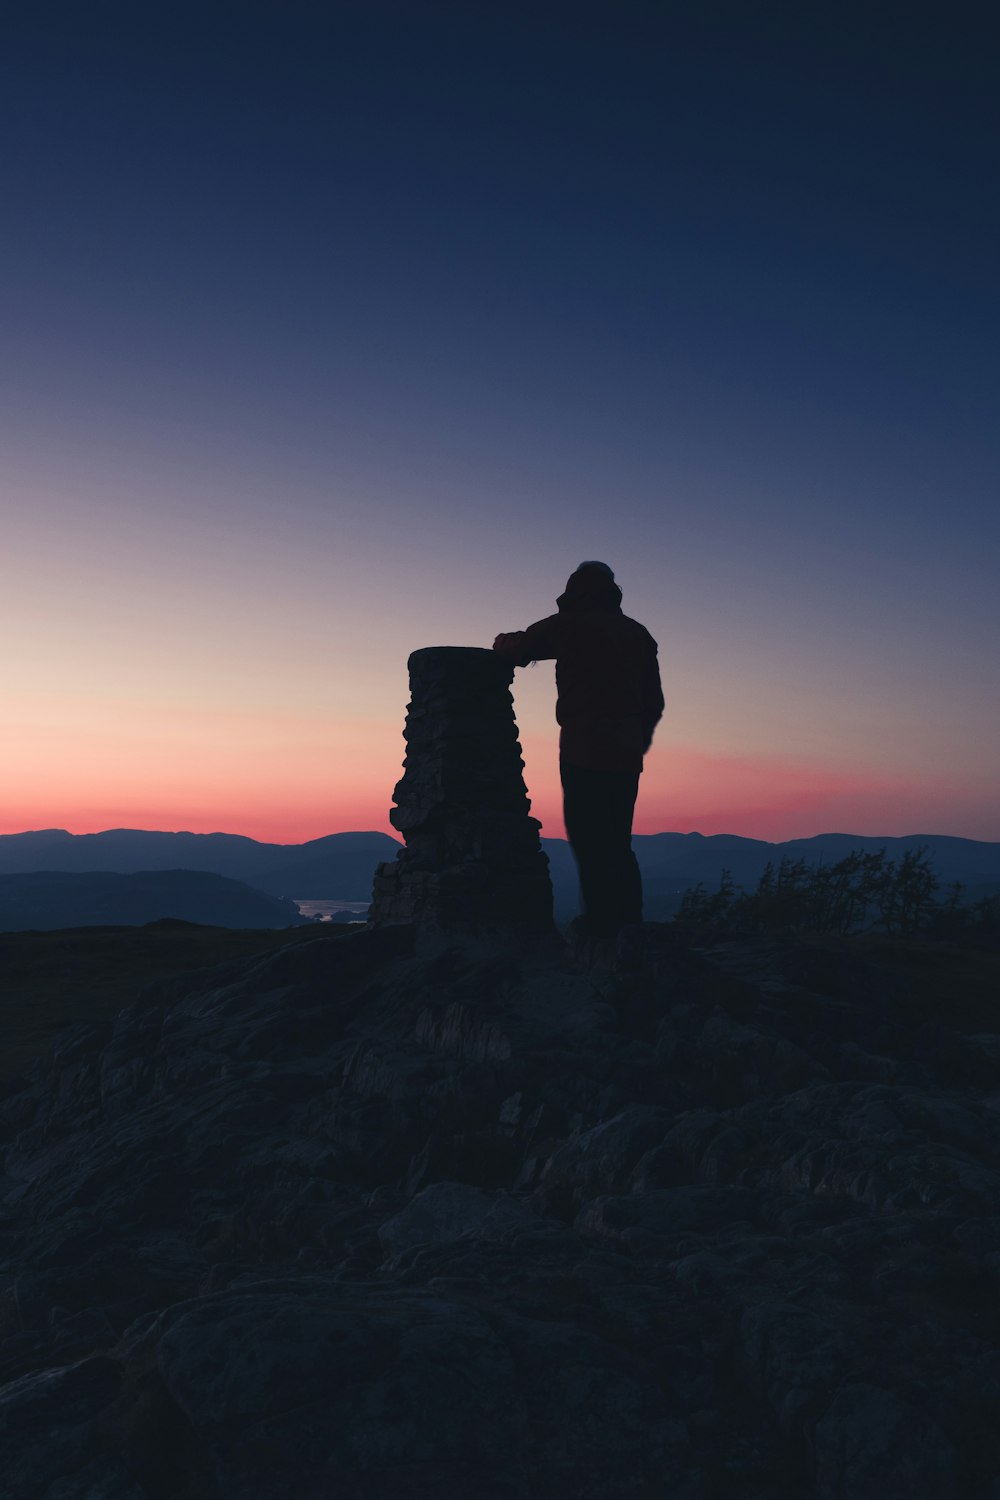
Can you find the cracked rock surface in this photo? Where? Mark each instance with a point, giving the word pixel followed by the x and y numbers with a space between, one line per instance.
pixel 389 1215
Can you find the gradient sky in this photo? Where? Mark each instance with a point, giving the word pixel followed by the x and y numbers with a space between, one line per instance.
pixel 333 331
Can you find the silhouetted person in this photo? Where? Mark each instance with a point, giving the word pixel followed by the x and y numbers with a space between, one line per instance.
pixel 609 703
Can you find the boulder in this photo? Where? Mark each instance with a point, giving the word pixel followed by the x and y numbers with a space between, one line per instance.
pixel 448 1211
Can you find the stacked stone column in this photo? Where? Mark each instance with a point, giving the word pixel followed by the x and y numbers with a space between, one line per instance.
pixel 472 855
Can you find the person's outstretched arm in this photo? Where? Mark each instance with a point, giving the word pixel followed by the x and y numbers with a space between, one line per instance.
pixel 538 643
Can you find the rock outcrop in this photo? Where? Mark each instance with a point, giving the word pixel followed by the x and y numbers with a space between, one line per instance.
pixel 472 857
pixel 385 1218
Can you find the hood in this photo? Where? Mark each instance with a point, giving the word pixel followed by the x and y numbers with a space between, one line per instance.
pixel 592 586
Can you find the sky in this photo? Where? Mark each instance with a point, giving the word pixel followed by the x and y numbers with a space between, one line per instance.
pixel 332 331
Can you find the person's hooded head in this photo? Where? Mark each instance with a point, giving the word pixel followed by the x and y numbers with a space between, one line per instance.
pixel 591 586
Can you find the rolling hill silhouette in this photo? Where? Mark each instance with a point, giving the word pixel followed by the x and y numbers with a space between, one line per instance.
pixel 340 866
pixel 50 899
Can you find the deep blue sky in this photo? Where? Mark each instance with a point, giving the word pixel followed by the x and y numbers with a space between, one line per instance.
pixel 356 326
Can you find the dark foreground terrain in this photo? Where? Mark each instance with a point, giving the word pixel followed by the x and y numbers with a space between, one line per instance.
pixel 362 1217
pixel 51 980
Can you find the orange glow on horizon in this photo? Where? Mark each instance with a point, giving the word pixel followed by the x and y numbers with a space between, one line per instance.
pixel 686 790
pixel 682 790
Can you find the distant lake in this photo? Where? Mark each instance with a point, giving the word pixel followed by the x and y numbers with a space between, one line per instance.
pixel 326 909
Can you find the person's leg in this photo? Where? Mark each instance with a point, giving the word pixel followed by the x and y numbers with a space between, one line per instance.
pixel 578 816
pixel 598 807
pixel 625 896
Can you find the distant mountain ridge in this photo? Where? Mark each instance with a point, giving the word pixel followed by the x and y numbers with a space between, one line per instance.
pixel 340 866
pixel 954 858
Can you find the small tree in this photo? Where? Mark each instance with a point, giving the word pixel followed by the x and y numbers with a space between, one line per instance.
pixel 700 912
pixel 905 893
pixel 860 891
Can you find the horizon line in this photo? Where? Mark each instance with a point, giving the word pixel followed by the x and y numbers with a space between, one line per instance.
pixel 380 833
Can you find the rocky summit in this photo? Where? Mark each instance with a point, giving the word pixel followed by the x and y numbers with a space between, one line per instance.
pixel 404 1213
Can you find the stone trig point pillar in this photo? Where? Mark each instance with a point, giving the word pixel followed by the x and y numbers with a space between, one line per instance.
pixel 472 856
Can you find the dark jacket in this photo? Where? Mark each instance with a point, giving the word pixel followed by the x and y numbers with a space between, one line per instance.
pixel 607 676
